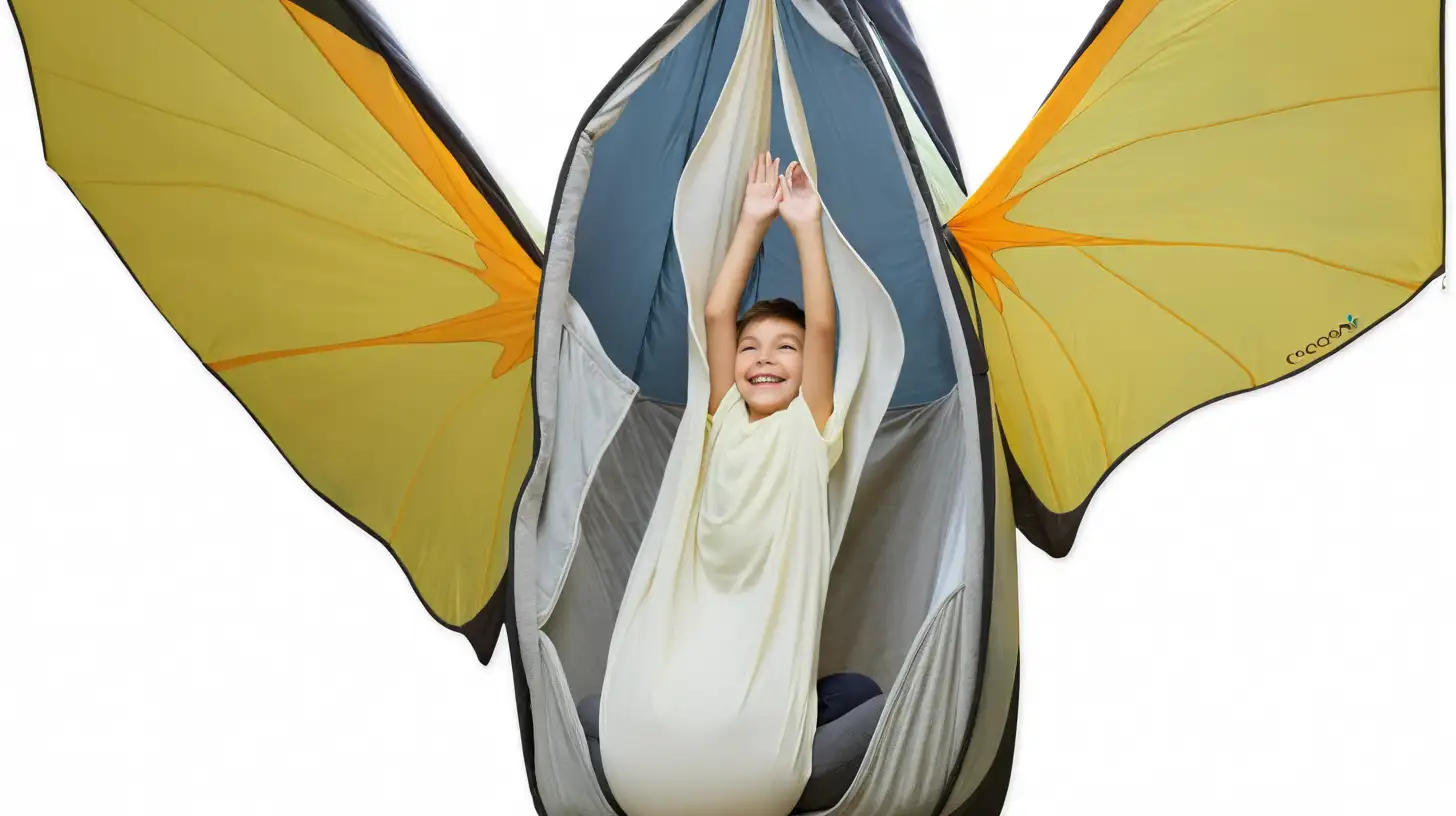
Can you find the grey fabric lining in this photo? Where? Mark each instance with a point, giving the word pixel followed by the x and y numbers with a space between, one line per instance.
pixel 911 510
pixel 590 711
pixel 586 378
pixel 614 517
pixel 888 576
pixel 973 555
pixel 912 753
pixel 839 752
pixel 528 511
pixel 1002 647
pixel 570 784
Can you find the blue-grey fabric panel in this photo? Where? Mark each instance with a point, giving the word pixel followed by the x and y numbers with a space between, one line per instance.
pixel 864 185
pixel 776 273
pixel 625 274
pixel 661 367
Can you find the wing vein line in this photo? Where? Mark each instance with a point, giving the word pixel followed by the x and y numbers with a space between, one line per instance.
pixel 1253 381
pixel 1220 123
pixel 1096 415
pixel 430 449
pixel 1255 248
pixel 1166 45
pixel 290 114
pixel 506 472
pixel 474 273
pixel 1031 416
pixel 204 123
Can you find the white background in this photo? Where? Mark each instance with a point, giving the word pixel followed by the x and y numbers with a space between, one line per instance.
pixel 1258 620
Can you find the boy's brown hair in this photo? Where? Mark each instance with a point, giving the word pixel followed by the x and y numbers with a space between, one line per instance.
pixel 777 307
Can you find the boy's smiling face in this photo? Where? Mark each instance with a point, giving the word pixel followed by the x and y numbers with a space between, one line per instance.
pixel 770 365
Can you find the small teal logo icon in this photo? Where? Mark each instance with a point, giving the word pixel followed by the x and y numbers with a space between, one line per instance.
pixel 1351 325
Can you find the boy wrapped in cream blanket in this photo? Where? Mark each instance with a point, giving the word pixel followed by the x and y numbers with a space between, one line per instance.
pixel 708 705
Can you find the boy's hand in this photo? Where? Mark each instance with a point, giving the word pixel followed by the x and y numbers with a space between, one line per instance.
pixel 799 202
pixel 762 196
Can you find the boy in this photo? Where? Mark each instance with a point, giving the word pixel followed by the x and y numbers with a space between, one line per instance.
pixel 726 726
pixel 772 354
pixel 767 359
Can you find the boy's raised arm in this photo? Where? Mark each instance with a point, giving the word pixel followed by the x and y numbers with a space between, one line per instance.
pixel 760 206
pixel 801 209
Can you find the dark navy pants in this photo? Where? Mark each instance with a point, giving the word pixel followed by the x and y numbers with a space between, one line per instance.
pixel 842 693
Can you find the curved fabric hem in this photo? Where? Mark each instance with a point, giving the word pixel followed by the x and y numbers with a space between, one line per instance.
pixel 1054 533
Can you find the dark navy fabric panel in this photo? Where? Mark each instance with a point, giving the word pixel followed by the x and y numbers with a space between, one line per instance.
pixel 777 273
pixel 627 275
pixel 661 365
pixel 888 18
pixel 865 189
pixel 625 272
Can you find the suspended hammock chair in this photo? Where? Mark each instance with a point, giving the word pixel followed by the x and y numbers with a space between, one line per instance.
pixel 1191 214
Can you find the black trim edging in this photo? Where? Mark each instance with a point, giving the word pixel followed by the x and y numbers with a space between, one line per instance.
pixel 990 797
pixel 844 18
pixel 30 69
pixel 434 114
pixel 1102 20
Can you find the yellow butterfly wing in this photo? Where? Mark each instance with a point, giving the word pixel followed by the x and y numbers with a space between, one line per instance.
pixel 305 215
pixel 1217 194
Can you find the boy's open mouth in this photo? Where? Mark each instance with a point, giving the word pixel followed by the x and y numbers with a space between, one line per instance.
pixel 764 379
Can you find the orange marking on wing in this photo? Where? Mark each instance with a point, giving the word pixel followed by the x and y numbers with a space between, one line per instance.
pixel 482 325
pixel 981 226
pixel 505 266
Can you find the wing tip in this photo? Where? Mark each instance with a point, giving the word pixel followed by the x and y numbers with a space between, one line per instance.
pixel 1052 532
pixel 483 631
